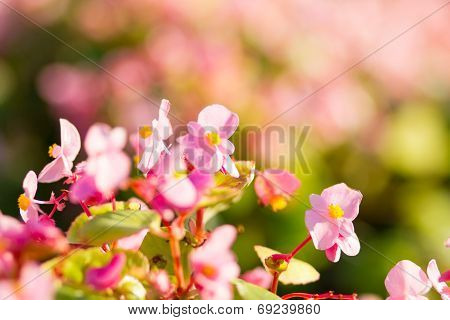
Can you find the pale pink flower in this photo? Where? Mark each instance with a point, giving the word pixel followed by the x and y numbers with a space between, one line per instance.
pixel 151 139
pixel 34 283
pixel 206 145
pixel 259 277
pixel 214 265
pixel 435 277
pixel 274 187
pixel 7 264
pixel 330 221
pixel 64 155
pixel 447 243
pixel 107 276
pixel 160 280
pixel 406 281
pixel 29 209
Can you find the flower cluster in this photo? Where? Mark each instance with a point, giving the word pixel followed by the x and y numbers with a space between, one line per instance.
pixel 157 245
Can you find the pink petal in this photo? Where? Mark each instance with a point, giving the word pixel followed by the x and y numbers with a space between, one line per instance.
pixel 164 127
pixel 36 283
pixel 132 242
pixel 101 138
pixel 160 280
pixel 258 276
pixel 31 214
pixel 319 203
pixel 334 253
pixel 347 198
pixel 30 184
pixel 70 140
pixel 226 147
pixel 434 275
pixel 230 167
pixel 323 232
pixel 406 279
pixel 348 240
pixel 201 181
pixel 282 180
pixel 218 118
pixel 56 170
pixel 180 193
pixel 108 276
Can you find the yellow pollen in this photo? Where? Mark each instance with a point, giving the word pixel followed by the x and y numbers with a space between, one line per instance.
pixel 278 203
pixel 213 138
pixel 145 132
pixel 209 271
pixel 23 202
pixel 179 174
pixel 51 150
pixel 335 211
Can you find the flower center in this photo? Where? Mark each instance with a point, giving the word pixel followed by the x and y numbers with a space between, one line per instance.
pixel 24 202
pixel 145 132
pixel 54 151
pixel 278 203
pixel 179 174
pixel 335 211
pixel 213 138
pixel 209 271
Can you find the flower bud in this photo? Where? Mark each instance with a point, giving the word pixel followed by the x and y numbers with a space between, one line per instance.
pixel 277 263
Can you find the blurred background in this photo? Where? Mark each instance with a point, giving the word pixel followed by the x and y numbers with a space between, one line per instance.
pixel 382 127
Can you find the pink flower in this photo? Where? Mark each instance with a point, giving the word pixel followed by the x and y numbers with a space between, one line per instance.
pixel 214 265
pixel 206 145
pixel 29 210
pixel 274 187
pixel 34 283
pixel 406 281
pixel 64 155
pixel 447 243
pixel 435 277
pixel 330 221
pixel 259 277
pixel 108 276
pixel 151 139
pixel 160 280
pixel 7 264
pixel 107 166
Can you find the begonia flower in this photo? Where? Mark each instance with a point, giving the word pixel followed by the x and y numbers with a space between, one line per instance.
pixel 406 281
pixel 29 210
pixel 258 276
pixel 436 280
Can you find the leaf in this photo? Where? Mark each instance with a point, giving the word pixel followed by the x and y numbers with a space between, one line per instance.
pixel 157 250
pixel 249 291
pixel 227 188
pixel 298 272
pixel 110 226
pixel 69 292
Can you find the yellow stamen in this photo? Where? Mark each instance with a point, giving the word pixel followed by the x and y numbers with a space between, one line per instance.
pixel 24 202
pixel 145 132
pixel 209 271
pixel 278 203
pixel 179 174
pixel 335 211
pixel 51 150
pixel 213 138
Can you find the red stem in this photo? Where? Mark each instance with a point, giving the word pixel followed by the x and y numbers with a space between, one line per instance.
pixel 274 286
pixel 199 224
pixel 85 209
pixel 298 248
pixel 322 296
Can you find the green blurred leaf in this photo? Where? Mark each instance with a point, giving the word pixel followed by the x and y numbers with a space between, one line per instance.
pixel 249 291
pixel 110 226
pixel 298 272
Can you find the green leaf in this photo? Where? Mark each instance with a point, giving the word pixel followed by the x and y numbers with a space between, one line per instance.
pixel 157 250
pixel 249 291
pixel 298 272
pixel 227 188
pixel 110 226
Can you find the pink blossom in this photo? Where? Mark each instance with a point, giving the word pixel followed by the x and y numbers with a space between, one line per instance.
pixel 108 276
pixel 435 277
pixel 64 155
pixel 29 210
pixel 107 166
pixel 259 277
pixel 151 139
pixel 406 281
pixel 206 145
pixel 7 264
pixel 274 187
pixel 214 265
pixel 34 283
pixel 330 221
pixel 160 280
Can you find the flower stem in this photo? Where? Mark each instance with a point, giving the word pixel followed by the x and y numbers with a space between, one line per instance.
pixel 322 296
pixel 274 286
pixel 85 209
pixel 176 255
pixel 298 248
pixel 199 224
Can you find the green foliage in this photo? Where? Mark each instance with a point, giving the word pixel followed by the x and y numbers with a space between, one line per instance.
pixel 249 291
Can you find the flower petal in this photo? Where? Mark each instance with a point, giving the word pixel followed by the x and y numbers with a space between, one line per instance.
pixel 323 232
pixel 56 170
pixel 180 193
pixel 334 253
pixel 218 118
pixel 347 198
pixel 70 139
pixel 406 279
pixel 434 274
pixel 30 184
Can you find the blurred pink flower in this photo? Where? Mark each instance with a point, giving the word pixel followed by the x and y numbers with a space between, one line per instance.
pixel 29 210
pixel 274 187
pixel 330 221
pixel 214 265
pixel 107 276
pixel 151 139
pixel 34 283
pixel 7 264
pixel 447 243
pixel 436 280
pixel 259 277
pixel 64 155
pixel 160 280
pixel 406 281
pixel 206 145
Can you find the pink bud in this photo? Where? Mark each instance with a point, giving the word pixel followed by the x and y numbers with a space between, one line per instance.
pixel 108 276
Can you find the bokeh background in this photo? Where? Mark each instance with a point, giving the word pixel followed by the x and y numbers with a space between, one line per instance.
pixel 382 127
